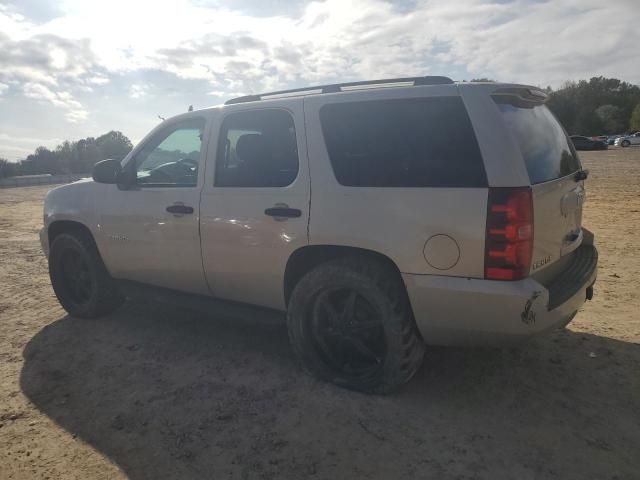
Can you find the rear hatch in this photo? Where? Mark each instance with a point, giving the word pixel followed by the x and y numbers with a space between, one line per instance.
pixel 556 177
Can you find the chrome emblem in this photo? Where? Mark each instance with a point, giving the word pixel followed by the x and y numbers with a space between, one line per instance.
pixel 119 238
pixel 542 262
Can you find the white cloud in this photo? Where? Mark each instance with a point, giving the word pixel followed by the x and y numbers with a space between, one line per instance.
pixel 89 45
pixel 529 41
pixel 138 90
pixel 16 147
pixel 62 99
pixel 3 88
pixel 98 80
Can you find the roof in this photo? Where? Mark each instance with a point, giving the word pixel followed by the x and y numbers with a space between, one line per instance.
pixel 339 87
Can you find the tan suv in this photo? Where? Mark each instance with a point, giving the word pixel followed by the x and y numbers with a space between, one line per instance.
pixel 381 216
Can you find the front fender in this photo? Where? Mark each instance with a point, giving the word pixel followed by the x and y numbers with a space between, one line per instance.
pixel 75 202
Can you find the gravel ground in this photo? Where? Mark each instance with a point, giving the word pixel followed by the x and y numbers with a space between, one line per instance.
pixel 154 392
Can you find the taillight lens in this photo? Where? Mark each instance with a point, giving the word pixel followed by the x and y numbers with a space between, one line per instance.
pixel 509 240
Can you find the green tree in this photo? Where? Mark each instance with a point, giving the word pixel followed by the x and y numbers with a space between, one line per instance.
pixel 612 118
pixel 7 168
pixel 114 145
pixel 634 124
pixel 76 157
pixel 575 104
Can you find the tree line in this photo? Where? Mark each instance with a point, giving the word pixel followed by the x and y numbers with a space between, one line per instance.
pixel 599 106
pixel 70 156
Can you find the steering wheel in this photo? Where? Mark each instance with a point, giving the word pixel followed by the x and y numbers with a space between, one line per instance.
pixel 159 175
pixel 188 162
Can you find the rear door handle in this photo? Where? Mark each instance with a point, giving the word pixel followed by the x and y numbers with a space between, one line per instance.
pixel 179 209
pixel 283 212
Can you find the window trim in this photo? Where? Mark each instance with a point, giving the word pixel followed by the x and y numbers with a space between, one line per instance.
pixel 130 168
pixel 221 140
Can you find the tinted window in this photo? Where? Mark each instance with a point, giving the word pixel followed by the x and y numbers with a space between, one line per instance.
pixel 542 141
pixel 172 157
pixel 257 149
pixel 426 142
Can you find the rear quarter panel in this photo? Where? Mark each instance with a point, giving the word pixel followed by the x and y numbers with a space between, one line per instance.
pixel 396 222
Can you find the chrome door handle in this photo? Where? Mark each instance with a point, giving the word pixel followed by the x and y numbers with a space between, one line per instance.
pixel 179 209
pixel 283 212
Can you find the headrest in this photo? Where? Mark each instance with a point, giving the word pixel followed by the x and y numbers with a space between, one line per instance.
pixel 250 146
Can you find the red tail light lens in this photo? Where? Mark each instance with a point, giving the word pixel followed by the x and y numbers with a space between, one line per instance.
pixel 509 240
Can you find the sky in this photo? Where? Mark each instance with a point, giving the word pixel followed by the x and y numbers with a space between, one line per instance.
pixel 76 68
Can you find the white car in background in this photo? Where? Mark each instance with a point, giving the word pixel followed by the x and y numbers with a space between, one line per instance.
pixel 628 140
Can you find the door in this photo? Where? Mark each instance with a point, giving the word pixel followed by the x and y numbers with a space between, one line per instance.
pixel 552 166
pixel 255 204
pixel 150 229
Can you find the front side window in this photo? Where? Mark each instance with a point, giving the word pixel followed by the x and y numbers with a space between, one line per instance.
pixel 172 157
pixel 257 149
pixel 417 142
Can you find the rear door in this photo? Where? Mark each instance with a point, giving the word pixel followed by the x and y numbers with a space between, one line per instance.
pixel 255 204
pixel 551 163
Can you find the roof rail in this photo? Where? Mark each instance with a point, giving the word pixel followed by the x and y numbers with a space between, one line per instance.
pixel 337 87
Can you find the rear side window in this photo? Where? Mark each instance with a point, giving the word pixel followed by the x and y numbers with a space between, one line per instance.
pixel 424 142
pixel 257 148
pixel 543 142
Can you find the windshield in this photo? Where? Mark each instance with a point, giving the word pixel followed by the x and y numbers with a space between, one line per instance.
pixel 543 142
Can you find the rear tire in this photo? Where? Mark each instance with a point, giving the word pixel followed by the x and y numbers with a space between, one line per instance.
pixel 79 278
pixel 625 143
pixel 350 323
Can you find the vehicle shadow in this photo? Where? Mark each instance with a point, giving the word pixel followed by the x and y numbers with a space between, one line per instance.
pixel 171 393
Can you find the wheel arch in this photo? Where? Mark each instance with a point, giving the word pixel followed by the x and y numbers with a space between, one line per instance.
pixel 67 226
pixel 308 257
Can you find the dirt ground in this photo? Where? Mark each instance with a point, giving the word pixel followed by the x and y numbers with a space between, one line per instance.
pixel 154 392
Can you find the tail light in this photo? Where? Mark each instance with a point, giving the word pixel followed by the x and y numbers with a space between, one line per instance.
pixel 509 238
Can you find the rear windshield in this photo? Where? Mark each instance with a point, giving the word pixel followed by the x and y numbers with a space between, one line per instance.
pixel 542 141
pixel 424 142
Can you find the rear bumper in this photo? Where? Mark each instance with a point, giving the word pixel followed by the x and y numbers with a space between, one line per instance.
pixel 466 311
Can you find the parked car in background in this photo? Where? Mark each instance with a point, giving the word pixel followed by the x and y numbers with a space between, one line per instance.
pixel 612 138
pixel 585 143
pixel 628 140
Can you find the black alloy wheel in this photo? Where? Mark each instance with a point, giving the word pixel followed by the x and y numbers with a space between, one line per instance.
pixel 348 332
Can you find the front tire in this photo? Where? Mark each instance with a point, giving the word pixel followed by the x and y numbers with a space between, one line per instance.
pixel 350 323
pixel 79 278
pixel 625 143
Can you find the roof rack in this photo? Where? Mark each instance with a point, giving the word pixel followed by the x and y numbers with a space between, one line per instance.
pixel 337 87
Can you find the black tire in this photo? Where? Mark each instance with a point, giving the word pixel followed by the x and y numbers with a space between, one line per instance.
pixel 79 278
pixel 625 143
pixel 380 292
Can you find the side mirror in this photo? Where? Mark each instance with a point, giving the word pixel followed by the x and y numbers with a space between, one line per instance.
pixel 107 171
